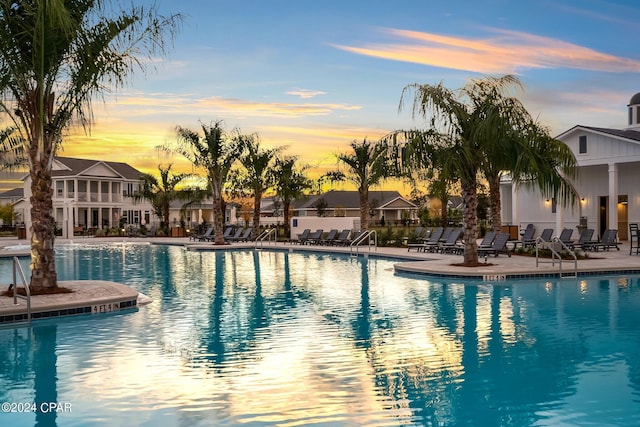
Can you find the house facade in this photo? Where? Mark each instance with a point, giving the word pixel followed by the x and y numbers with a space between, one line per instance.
pixel 607 183
pixel 92 194
pixel 389 205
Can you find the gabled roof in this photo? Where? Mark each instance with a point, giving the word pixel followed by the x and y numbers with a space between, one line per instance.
pixel 16 193
pixel 74 167
pixel 350 199
pixel 627 134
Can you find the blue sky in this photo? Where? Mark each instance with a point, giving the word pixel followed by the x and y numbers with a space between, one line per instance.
pixel 314 76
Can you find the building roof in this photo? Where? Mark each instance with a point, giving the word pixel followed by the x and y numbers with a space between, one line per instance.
pixel 16 193
pixel 349 199
pixel 77 167
pixel 628 134
pixel 635 99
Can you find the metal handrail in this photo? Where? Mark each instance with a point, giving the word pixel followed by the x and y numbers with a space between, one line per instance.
pixel 361 239
pixel 17 268
pixel 266 235
pixel 554 253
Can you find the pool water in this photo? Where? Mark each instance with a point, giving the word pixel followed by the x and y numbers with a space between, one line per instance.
pixel 268 338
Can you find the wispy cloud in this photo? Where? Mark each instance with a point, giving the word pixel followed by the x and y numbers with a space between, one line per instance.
pixel 274 108
pixel 503 51
pixel 153 104
pixel 305 93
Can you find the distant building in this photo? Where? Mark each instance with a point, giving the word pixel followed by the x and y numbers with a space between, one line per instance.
pixel 92 194
pixel 388 204
pixel 14 197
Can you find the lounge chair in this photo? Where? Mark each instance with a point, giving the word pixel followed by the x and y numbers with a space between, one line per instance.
pixel 302 238
pixel 451 244
pixel 446 233
pixel 315 237
pixel 342 238
pixel 565 236
pixel 487 240
pixel 609 240
pixel 246 235
pixel 236 236
pixel 432 244
pixel 546 234
pixel 204 235
pixel 498 245
pixel 584 241
pixel 330 237
pixel 527 237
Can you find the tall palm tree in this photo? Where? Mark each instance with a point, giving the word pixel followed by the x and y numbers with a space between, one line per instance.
pixel 518 146
pixel 289 182
pixel 161 192
pixel 366 166
pixel 472 131
pixel 451 143
pixel 55 56
pixel 254 178
pixel 215 152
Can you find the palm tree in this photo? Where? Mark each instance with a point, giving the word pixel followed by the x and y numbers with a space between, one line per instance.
pixel 520 147
pixel 161 192
pixel 473 130
pixel 451 144
pixel 255 177
pixel 289 182
pixel 55 56
pixel 366 166
pixel 215 152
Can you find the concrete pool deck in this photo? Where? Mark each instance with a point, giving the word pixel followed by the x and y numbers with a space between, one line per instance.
pixel 101 296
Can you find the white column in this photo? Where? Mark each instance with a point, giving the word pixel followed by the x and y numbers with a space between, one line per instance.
pixel 515 208
pixel 613 196
pixel 559 218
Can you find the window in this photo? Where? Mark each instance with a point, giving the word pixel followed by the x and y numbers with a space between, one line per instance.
pixel 60 189
pixel 637 115
pixel 582 144
pixel 630 116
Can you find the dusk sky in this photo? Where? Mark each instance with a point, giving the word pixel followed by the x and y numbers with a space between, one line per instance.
pixel 313 76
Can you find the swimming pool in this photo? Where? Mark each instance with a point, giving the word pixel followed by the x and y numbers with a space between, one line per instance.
pixel 264 338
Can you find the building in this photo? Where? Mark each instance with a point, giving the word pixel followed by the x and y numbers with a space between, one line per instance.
pixel 92 194
pixel 607 182
pixel 14 197
pixel 389 205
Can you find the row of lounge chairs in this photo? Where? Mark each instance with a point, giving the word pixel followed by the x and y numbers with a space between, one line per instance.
pixel 230 235
pixel 585 241
pixel 331 238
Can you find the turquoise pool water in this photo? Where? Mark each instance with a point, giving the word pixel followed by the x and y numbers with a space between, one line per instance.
pixel 290 339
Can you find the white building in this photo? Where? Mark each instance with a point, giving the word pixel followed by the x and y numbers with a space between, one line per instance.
pixel 92 194
pixel 608 177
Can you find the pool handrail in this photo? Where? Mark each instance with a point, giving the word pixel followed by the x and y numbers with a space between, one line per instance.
pixel 17 268
pixel 266 235
pixel 553 246
pixel 364 236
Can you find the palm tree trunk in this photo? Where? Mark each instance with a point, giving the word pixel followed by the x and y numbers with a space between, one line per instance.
pixel 43 269
pixel 286 204
pixel 469 207
pixel 494 197
pixel 257 198
pixel 364 208
pixel 218 215
pixel 444 212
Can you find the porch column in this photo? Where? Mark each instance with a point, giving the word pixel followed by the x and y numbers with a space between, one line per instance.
pixel 613 196
pixel 515 208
